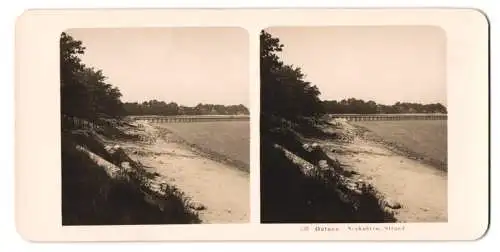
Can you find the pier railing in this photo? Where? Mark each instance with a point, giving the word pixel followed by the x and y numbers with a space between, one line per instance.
pixel 389 117
pixel 190 119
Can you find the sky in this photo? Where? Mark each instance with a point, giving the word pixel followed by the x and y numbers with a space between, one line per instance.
pixel 385 64
pixel 182 65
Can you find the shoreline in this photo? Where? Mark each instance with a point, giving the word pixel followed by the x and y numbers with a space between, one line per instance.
pixel 218 192
pixel 201 151
pixel 398 148
pixel 397 176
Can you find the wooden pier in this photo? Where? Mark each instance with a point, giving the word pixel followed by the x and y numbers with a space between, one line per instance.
pixel 389 117
pixel 191 119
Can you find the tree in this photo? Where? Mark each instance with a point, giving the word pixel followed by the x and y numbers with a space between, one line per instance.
pixel 84 91
pixel 75 98
pixel 70 62
pixel 284 91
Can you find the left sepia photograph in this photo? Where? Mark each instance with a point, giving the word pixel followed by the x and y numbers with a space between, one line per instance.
pixel 155 126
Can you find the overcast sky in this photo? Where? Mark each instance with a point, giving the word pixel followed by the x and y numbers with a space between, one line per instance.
pixel 384 64
pixel 183 65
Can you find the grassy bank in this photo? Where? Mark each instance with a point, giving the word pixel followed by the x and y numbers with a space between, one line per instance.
pixel 294 189
pixel 90 196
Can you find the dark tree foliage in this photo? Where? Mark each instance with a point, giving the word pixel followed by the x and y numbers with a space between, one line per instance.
pixel 356 106
pixel 284 90
pixel 84 90
pixel 154 107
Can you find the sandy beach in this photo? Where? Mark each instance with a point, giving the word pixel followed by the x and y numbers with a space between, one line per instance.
pixel 219 192
pixel 421 189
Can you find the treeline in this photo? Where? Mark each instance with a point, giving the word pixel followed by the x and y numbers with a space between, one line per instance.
pixel 84 90
pixel 154 107
pixel 358 106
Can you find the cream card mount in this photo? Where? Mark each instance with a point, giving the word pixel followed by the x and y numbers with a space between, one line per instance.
pixel 252 124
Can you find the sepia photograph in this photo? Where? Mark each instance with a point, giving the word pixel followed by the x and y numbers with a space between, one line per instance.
pixel 353 124
pixel 155 126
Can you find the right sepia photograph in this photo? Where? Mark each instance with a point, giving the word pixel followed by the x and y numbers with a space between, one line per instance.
pixel 353 124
